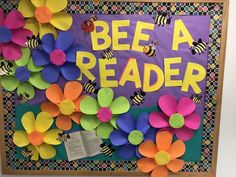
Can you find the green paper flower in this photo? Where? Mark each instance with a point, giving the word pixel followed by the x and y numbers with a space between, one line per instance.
pixel 102 114
pixel 23 76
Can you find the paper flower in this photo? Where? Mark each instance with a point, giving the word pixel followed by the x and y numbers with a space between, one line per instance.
pixel 131 133
pixel 37 137
pixel 102 115
pixel 178 118
pixel 45 15
pixel 12 34
pixel 64 106
pixel 57 57
pixel 23 76
pixel 161 156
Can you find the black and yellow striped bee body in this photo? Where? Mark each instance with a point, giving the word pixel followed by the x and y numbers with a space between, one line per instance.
pixel 33 42
pixel 108 54
pixel 23 98
pixel 92 19
pixel 162 19
pixel 150 49
pixel 26 153
pixel 196 98
pixel 198 47
pixel 63 137
pixel 5 67
pixel 90 87
pixel 107 150
pixel 138 98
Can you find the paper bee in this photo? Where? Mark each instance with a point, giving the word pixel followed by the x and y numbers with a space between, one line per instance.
pixel 150 49
pixel 107 54
pixel 90 87
pixel 32 42
pixel 26 153
pixel 23 98
pixel 162 19
pixel 88 25
pixel 196 98
pixel 63 137
pixel 138 98
pixel 5 67
pixel 198 47
pixel 107 150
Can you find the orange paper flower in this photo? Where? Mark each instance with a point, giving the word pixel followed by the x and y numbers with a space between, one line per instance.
pixel 64 106
pixel 161 156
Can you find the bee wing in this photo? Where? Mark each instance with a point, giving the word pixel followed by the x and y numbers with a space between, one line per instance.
pixel 195 43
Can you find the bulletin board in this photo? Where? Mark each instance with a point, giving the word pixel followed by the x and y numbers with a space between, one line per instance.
pixel 159 47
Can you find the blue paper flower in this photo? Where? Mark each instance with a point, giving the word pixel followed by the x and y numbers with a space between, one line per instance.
pixel 131 133
pixel 57 57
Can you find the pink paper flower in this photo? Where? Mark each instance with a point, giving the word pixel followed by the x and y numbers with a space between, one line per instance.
pixel 177 117
pixel 12 35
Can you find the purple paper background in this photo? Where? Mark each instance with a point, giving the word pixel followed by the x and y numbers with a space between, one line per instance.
pixel 198 27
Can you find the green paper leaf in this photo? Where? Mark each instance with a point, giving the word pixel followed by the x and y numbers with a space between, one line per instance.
pixel 26 89
pixel 120 105
pixel 89 106
pixel 24 58
pixel 105 97
pixel 37 81
pixel 32 67
pixel 113 121
pixel 89 122
pixel 9 83
pixel 104 130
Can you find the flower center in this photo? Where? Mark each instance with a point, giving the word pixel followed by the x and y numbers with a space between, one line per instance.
pixel 176 120
pixel 58 57
pixel 35 138
pixel 162 158
pixel 135 137
pixel 67 107
pixel 5 34
pixel 43 14
pixel 22 73
pixel 104 114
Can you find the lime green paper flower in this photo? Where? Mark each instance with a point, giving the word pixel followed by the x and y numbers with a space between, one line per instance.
pixel 23 76
pixel 102 114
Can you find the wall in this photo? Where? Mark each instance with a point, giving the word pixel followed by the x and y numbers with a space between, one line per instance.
pixel 227 146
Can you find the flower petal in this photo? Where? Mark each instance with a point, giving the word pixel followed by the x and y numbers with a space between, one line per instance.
pixel 76 117
pixel 64 41
pixel 34 151
pixel 168 104
pixel 32 67
pixel 120 105
pixel 126 122
pixel 43 121
pixel 48 42
pixel 175 165
pixel 47 28
pixel 51 108
pixel 63 122
pixel 26 8
pixel 113 121
pixel 56 6
pixel 19 36
pixel 71 53
pixel 26 89
pixel 54 93
pixel 105 97
pixel 62 21
pixel 192 121
pixel 28 122
pixel 163 140
pixel 24 58
pixel 40 58
pixel 148 149
pixel 142 123
pixel 46 151
pixel 32 25
pixel 77 102
pixel 184 133
pixel 14 20
pixel 185 106
pixel 89 122
pixel 89 106
pixel 151 135
pixel 11 51
pixel 51 137
pixel 118 137
pixel 20 138
pixel 177 149
pixel 104 130
pixel 1 17
pixel 72 90
pixel 70 71
pixel 50 73
pixel 38 3
pixel 37 81
pixel 146 165
pixel 127 151
pixel 158 120
pixel 10 83
pixel 160 171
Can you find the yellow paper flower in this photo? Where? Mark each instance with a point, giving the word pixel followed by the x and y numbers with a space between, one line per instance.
pixel 37 137
pixel 45 15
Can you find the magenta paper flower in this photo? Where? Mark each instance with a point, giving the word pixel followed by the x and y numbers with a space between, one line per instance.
pixel 177 117
pixel 12 35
